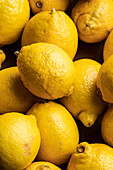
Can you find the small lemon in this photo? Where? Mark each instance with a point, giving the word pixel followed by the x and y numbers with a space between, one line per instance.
pixel 84 103
pixel 14 14
pixel 105 80
pixel 2 58
pixel 53 27
pixel 13 95
pixel 46 70
pixel 19 140
pixel 107 126
pixel 108 46
pixel 94 19
pixel 41 165
pixel 58 130
pixel 47 5
pixel 91 157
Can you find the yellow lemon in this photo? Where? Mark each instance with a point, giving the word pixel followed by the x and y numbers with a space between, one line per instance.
pixel 58 130
pixel 108 46
pixel 19 140
pixel 13 95
pixel 107 126
pixel 14 14
pixel 105 80
pixel 2 57
pixel 53 27
pixel 47 5
pixel 84 103
pixel 94 19
pixel 46 70
pixel 41 165
pixel 95 156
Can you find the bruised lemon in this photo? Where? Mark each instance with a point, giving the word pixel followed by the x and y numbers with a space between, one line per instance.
pixel 53 27
pixel 19 140
pixel 46 70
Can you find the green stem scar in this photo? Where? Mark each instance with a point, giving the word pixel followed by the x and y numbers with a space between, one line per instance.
pixel 16 53
pixel 53 10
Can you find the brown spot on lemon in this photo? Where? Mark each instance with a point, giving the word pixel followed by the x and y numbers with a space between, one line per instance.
pixel 43 167
pixel 27 148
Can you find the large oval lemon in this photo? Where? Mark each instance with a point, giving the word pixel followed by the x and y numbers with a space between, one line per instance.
pixel 53 27
pixel 58 130
pixel 84 103
pixel 46 70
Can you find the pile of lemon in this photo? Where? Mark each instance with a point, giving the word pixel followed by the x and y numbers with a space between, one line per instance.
pixel 47 91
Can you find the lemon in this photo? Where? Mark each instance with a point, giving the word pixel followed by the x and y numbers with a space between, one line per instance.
pixel 46 70
pixel 19 140
pixel 13 95
pixel 41 165
pixel 108 46
pixel 84 103
pixel 91 157
pixel 105 80
pixel 47 5
pixel 94 19
pixel 58 130
pixel 107 126
pixel 53 27
pixel 2 57
pixel 14 15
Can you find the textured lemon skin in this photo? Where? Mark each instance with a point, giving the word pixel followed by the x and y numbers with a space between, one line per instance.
pixel 13 95
pixel 105 80
pixel 19 140
pixel 107 126
pixel 2 57
pixel 108 46
pixel 93 19
pixel 46 70
pixel 95 156
pixel 55 28
pixel 14 15
pixel 47 5
pixel 58 130
pixel 41 165
pixel 84 103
